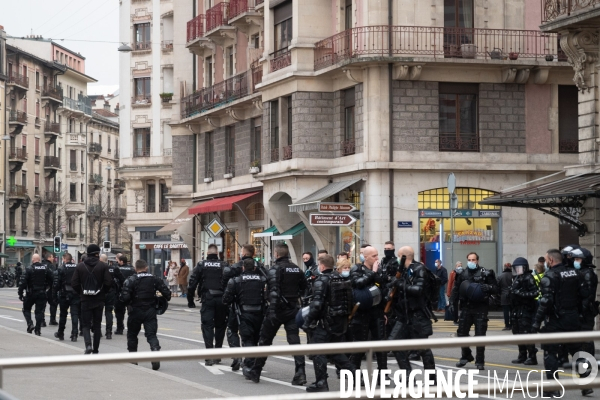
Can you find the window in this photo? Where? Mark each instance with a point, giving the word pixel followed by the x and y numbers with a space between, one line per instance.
pixel 255 155
pixel 209 152
pixel 151 202
pixel 37 184
pixel 348 141
pixel 37 147
pixel 24 180
pixel 164 202
pixel 81 127
pixel 283 25
pixel 209 72
pixel 37 80
pixel 80 227
pixel 108 140
pixel 458 24
pixel 274 116
pixel 37 110
pixel 100 140
pixel 229 61
pixel 289 120
pixel 59 187
pixel 142 142
pixel 568 124
pixel 73 192
pixel 81 192
pixel 24 218
pixel 73 160
pixel 142 36
pixel 255 212
pixel 82 159
pixel 142 90
pixel 255 41
pixel 458 117
pixel 230 149
pixel 348 15
pixel 12 220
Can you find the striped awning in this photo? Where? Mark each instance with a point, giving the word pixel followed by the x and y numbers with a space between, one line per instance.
pixel 290 233
pixel 312 201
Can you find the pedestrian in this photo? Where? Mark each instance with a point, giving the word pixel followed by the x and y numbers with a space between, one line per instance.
pixel 182 277
pixel 583 263
pixel 126 270
pixel 458 268
pixel 32 291
pixel 66 297
pixel 49 261
pixel 139 290
pixel 286 283
pixel 311 271
pixel 208 278
pixel 504 284
pixel 343 256
pixel 473 287
pixel 92 280
pixel 332 302
pixel 18 273
pixel 441 273
pixel 112 295
pixel 522 295
pixel 172 277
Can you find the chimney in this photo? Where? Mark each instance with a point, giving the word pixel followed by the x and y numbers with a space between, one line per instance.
pixel 106 106
pixel 117 109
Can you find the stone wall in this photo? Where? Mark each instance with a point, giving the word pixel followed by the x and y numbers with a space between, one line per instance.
pixel 242 147
pixel 201 159
pixel 312 124
pixel 502 118
pixel 183 155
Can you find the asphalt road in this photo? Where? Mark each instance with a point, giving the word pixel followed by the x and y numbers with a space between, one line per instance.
pixel 179 329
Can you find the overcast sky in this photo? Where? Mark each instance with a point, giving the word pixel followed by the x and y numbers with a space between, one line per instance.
pixel 83 20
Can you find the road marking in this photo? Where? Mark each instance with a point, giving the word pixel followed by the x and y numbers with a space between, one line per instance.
pixel 11 318
pixel 212 369
pixel 262 378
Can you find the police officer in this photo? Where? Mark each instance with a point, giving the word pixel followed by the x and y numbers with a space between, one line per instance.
pixel 583 262
pixel 246 295
pixel 65 296
pixel 229 272
pixel 18 273
pixel 208 277
pixel 311 271
pixel 368 320
pixel 559 307
pixel 327 319
pixel 49 262
pixel 112 295
pixel 126 271
pixel 286 282
pixel 412 307
pixel 523 293
pixel 473 286
pixel 388 267
pixel 140 290
pixel 37 279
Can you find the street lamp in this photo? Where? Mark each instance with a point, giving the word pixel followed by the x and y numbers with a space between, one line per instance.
pixel 125 48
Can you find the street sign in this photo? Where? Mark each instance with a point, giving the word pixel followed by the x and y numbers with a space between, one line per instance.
pixel 493 214
pixel 336 207
pixel 214 228
pixel 64 246
pixel 451 183
pixel 216 241
pixel 462 213
pixel 425 213
pixel 405 224
pixel 331 219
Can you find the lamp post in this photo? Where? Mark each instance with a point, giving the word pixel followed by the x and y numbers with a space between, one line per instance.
pixel 453 206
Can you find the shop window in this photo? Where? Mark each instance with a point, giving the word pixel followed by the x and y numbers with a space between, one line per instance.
pixel 230 217
pixel 458 117
pixel 255 212
pixel 468 198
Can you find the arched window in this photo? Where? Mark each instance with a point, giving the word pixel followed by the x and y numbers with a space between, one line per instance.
pixel 468 199
pixel 255 212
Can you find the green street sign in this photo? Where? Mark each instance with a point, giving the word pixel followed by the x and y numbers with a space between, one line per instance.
pixel 11 241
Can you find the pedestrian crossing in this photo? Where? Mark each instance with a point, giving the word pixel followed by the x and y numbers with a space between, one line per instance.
pixel 448 326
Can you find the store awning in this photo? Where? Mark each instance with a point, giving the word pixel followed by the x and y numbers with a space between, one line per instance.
pixel 51 249
pixel 174 225
pixel 22 244
pixel 290 233
pixel 271 231
pixel 2 255
pixel 220 204
pixel 311 202
pixel 562 199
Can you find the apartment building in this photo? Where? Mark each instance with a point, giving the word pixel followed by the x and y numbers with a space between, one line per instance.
pixel 4 135
pixel 149 97
pixel 299 103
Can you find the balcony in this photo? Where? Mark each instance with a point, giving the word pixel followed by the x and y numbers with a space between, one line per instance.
pixel 51 130
pixel 78 107
pixel 150 208
pixel 214 96
pixel 17 118
pixel 144 152
pixel 18 80
pixel 71 235
pixel 280 59
pixel 163 207
pixel 166 46
pixel 348 147
pixel 109 184
pixel 76 139
pixel 95 181
pixel 436 44
pixel 120 213
pixel 242 15
pixel 217 24
pixel 141 101
pixel 142 46
pixel 51 163
pixel 94 149
pixel 52 93
pixel 568 146
pixel 452 142
pixel 287 152
pixel 52 197
pixel 119 185
pixel 16 157
pixel 195 32
pixel 274 155
pixel 17 192
pixel 73 167
pixel 555 9
pixel 94 211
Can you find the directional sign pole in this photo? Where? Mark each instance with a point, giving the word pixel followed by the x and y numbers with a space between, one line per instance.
pixel 453 205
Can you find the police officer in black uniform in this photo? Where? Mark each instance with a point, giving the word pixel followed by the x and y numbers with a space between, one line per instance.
pixel 286 283
pixel 412 308
pixel 583 262
pixel 327 319
pixel 126 271
pixel 66 297
pixel 523 293
pixel 559 308
pixel 208 277
pixel 113 294
pixel 388 267
pixel 18 273
pixel 473 286
pixel 140 290
pixel 49 262
pixel 311 271
pixel 246 295
pixel 37 279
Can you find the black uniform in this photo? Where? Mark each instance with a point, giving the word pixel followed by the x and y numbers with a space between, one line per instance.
pixel 140 290
pixel 589 284
pixel 49 299
pixel 367 321
pixel 523 293
pixel 67 298
pixel 112 296
pixel 18 273
pixel 473 310
pixel 37 279
pixel 286 283
pixel 412 310
pixel 233 337
pixel 388 268
pixel 246 293
pixel 208 277
pixel 311 273
pixel 126 272
pixel 327 321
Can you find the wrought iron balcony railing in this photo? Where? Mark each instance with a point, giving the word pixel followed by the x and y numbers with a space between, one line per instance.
pixel 219 94
pixel 348 147
pixel 142 46
pixel 17 154
pixel 238 7
pixel 166 45
pixel 141 99
pixel 18 79
pixel 216 16
pixel 287 152
pixel 141 152
pixel 51 127
pixel 163 207
pixel 452 142
pixel 195 27
pixel 95 179
pixel 280 59
pixel 150 208
pixel 94 148
pixel 53 92
pixel 553 9
pixel 17 116
pixel 17 191
pixel 51 162
pixel 274 155
pixel 568 146
pixel 52 196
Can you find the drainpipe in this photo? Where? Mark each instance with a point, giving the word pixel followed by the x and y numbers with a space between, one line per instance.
pixel 194 72
pixel 390 120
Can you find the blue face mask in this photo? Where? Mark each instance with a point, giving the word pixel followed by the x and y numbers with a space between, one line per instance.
pixel 471 265
pixel 576 264
pixel 545 266
pixel 362 258
pixel 345 274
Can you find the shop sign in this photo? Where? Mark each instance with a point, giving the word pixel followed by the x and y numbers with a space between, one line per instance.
pixel 405 224
pixel 214 228
pixel 428 213
pixel 462 213
pixel 470 242
pixel 493 214
pixel 336 207
pixel 170 246
pixel 142 246
pixel 331 219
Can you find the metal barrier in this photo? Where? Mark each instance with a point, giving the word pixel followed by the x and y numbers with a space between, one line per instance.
pixel 326 348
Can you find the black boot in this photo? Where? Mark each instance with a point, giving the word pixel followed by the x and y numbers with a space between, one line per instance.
pixel 464 360
pixel 73 338
pixel 30 328
pixel 43 323
pixel 53 322
pixel 88 349
pixel 319 386
pixel 59 335
pixel 119 331
pixel 235 365
pixel 532 360
pixel 155 364
pixel 209 363
pixel 521 358
pixel 108 335
pixel 38 332
pixel 251 375
pixel 299 377
pixel 414 357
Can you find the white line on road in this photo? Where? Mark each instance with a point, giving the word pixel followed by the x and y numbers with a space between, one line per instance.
pixel 262 378
pixel 11 318
pixel 212 369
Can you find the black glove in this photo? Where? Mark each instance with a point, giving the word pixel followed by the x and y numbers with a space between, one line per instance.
pixel 451 308
pixel 535 327
pixel 21 297
pixel 191 303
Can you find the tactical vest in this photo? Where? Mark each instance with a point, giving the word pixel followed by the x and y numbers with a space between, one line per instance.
pixel 38 280
pixel 112 275
pixel 340 299
pixel 213 273
pixel 290 278
pixel 566 296
pixel 144 291
pixel 127 271
pixel 251 289
pixel 69 270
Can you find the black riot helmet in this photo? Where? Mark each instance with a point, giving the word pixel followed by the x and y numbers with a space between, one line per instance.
pixel 161 305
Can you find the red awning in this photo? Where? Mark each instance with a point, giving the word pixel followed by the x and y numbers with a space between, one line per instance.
pixel 220 204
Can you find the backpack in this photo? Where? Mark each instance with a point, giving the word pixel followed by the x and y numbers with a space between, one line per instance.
pixel 433 285
pixel 90 286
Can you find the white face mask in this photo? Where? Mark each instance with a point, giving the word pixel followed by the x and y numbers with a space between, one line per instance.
pixel 362 258
pixel 471 265
pixel 345 274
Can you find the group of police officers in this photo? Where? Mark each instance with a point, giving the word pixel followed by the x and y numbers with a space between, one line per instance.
pixel 378 299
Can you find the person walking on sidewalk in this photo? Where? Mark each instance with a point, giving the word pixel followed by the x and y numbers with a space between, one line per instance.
pixel 38 277
pixel 184 272
pixel 441 273
pixel 172 277
pixel 504 283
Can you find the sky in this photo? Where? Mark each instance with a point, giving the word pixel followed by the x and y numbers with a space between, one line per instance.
pixel 82 23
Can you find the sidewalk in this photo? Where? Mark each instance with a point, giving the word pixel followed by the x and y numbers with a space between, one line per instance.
pixel 114 381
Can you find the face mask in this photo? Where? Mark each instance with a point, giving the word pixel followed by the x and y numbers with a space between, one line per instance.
pixel 576 264
pixel 459 270
pixel 545 265
pixel 345 274
pixel 471 265
pixel 308 263
pixel 362 258
pixel 389 253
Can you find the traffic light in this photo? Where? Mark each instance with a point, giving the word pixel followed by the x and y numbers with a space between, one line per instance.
pixel 106 246
pixel 57 244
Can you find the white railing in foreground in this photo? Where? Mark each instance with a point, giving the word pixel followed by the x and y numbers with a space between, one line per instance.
pixel 267 351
